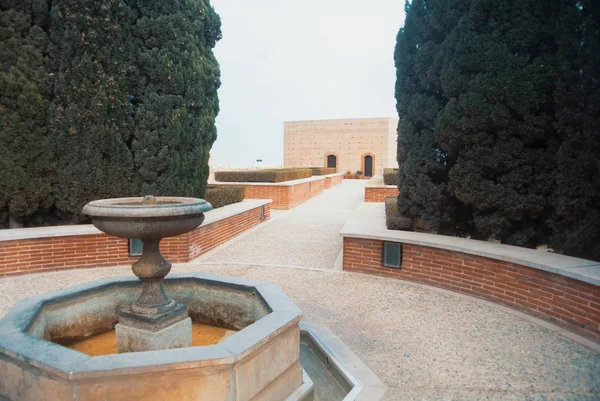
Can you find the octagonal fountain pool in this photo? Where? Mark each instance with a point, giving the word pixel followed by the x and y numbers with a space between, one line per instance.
pixel 187 337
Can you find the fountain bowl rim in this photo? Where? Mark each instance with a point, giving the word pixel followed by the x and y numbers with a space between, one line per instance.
pixel 173 207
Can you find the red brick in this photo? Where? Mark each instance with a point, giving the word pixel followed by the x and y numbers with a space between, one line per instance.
pixel 379 194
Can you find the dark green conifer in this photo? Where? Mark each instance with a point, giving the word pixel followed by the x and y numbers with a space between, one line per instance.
pixel 175 96
pixel 420 97
pixel 498 105
pixel 135 98
pixel 496 126
pixel 575 221
pixel 90 118
pixel 103 99
pixel 25 89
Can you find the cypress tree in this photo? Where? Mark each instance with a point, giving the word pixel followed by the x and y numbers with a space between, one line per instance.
pixel 103 99
pixel 575 221
pixel 25 161
pixel 176 96
pixel 498 109
pixel 496 128
pixel 418 56
pixel 90 118
pixel 135 98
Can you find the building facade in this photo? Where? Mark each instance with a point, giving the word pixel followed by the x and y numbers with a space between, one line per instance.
pixel 365 144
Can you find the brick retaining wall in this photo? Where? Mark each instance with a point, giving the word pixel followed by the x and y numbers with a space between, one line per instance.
pixel 34 255
pixel 568 302
pixel 284 195
pixel 333 180
pixel 378 194
pixel 206 238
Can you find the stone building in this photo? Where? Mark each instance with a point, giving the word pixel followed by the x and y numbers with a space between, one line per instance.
pixel 366 144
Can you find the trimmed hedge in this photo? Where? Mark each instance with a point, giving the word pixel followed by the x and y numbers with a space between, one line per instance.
pixel 323 170
pixel 223 196
pixel 390 176
pixel 393 219
pixel 268 175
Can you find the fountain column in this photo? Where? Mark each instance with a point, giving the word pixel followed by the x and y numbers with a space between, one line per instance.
pixel 153 321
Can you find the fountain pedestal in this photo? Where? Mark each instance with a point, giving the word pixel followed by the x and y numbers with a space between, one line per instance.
pixel 136 333
pixel 153 321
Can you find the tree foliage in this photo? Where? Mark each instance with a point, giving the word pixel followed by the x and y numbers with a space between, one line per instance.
pixel 89 119
pixel 176 99
pixel 104 99
pixel 575 201
pixel 25 90
pixel 498 104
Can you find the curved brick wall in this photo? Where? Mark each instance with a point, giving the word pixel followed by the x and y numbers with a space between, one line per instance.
pixel 563 300
pixel 506 276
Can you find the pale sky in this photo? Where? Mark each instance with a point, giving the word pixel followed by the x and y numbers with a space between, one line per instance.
pixel 285 60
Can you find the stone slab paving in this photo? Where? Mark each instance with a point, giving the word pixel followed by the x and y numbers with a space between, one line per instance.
pixel 425 343
pixel 306 236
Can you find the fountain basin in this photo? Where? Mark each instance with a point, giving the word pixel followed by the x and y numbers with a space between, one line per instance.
pixel 258 362
pixel 147 218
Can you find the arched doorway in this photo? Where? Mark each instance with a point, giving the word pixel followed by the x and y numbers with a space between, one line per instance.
pixel 368 166
pixel 332 161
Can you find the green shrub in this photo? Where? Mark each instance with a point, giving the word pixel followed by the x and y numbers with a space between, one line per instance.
pixel 393 219
pixel 390 176
pixel 421 226
pixel 323 170
pixel 223 196
pixel 268 175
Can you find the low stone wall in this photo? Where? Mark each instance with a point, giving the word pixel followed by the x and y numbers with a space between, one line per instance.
pixel 285 195
pixel 556 288
pixel 34 250
pixel 333 179
pixel 377 191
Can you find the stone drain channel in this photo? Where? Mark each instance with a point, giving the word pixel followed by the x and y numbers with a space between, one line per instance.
pixel 336 372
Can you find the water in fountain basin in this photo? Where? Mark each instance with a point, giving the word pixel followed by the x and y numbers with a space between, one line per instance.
pixel 106 343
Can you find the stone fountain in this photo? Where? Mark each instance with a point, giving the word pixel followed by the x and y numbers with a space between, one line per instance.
pixel 153 321
pixel 152 317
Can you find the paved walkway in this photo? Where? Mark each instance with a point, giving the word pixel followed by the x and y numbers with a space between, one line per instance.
pixel 425 343
pixel 306 236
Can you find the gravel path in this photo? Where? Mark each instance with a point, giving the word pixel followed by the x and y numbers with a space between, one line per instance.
pixel 306 236
pixel 425 343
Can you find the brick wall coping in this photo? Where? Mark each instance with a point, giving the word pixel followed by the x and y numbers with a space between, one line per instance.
pixel 211 216
pixel 330 175
pixel 270 184
pixel 378 178
pixel 368 222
